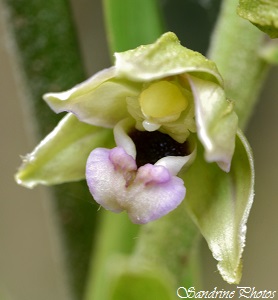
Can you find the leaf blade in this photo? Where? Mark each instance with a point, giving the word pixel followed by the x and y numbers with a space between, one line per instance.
pixel 140 20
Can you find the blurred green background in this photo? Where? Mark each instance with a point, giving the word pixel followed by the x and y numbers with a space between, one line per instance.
pixel 31 258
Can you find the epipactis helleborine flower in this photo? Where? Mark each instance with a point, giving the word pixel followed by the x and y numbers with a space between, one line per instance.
pixel 171 93
pixel 160 101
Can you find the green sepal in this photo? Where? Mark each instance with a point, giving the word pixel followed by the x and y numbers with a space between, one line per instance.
pixel 99 100
pixel 219 203
pixel 61 156
pixel 263 14
pixel 165 57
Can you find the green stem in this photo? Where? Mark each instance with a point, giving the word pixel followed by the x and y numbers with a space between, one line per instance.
pixel 235 49
pixel 172 244
pixel 116 235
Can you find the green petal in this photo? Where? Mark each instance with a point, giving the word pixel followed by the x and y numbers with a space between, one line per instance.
pixel 62 155
pixel 164 58
pixel 262 13
pixel 216 121
pixel 220 203
pixel 100 100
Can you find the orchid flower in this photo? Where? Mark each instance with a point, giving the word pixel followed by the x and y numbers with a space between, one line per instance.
pixel 167 109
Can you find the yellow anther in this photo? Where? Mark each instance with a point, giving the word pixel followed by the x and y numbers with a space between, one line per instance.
pixel 162 99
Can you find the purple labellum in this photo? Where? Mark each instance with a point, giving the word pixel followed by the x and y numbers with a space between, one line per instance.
pixel 146 193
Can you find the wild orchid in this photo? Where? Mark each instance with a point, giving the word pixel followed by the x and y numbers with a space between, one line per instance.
pixel 135 130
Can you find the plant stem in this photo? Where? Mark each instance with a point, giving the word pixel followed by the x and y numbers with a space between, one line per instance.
pixel 235 49
pixel 116 235
pixel 171 243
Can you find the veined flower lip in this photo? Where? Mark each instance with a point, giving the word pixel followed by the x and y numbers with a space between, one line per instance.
pixel 147 192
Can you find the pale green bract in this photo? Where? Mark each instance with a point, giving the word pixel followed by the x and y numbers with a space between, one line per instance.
pixel 219 183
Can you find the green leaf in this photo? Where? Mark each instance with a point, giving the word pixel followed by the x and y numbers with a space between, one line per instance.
pixel 219 203
pixel 262 13
pixel 132 23
pixel 62 155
